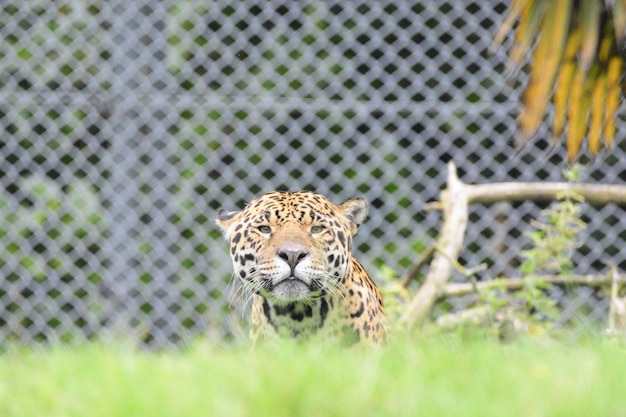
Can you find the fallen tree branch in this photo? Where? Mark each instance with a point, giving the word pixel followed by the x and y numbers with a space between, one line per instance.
pixel 450 242
pixel 463 288
pixel 476 315
pixel 522 191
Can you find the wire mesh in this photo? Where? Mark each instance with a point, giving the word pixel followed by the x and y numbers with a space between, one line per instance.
pixel 127 124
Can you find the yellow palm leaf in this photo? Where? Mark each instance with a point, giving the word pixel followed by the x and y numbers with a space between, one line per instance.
pixel 576 62
pixel 545 62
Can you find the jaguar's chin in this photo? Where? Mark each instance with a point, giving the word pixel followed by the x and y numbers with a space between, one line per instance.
pixel 291 289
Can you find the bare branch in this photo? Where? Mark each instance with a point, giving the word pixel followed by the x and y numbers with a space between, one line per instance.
pixel 522 191
pixel 450 242
pixel 463 288
pixel 474 315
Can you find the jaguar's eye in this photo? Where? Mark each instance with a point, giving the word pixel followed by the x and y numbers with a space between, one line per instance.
pixel 317 229
pixel 265 229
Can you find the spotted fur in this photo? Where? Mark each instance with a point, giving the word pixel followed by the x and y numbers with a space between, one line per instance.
pixel 292 252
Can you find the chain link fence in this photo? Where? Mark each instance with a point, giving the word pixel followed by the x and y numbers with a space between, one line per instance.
pixel 127 124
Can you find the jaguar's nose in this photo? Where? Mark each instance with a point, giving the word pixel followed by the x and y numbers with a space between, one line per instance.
pixel 292 257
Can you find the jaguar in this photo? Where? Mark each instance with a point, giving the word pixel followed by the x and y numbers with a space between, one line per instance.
pixel 292 252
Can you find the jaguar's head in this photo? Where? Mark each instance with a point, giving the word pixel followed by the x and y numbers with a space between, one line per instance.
pixel 292 246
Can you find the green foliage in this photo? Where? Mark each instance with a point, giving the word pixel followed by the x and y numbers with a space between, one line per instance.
pixel 555 240
pixel 68 31
pixel 51 213
pixel 394 294
pixel 552 245
pixel 49 235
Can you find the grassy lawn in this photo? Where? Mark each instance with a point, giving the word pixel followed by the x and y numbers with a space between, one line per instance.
pixel 443 377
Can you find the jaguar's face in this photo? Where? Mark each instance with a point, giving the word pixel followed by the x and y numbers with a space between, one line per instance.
pixel 292 246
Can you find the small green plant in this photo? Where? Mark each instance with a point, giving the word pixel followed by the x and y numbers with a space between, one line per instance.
pixel 395 295
pixel 553 243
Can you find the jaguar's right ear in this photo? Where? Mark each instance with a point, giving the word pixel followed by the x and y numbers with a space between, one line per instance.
pixel 355 211
pixel 225 220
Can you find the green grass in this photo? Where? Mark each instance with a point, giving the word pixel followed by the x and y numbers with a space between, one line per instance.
pixel 442 377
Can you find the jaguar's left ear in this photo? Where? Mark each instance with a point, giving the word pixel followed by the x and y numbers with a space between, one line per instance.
pixel 225 220
pixel 355 210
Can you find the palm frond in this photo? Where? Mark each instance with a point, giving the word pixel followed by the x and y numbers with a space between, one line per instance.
pixel 575 62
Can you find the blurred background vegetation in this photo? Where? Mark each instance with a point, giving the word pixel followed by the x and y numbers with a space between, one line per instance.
pixel 126 125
